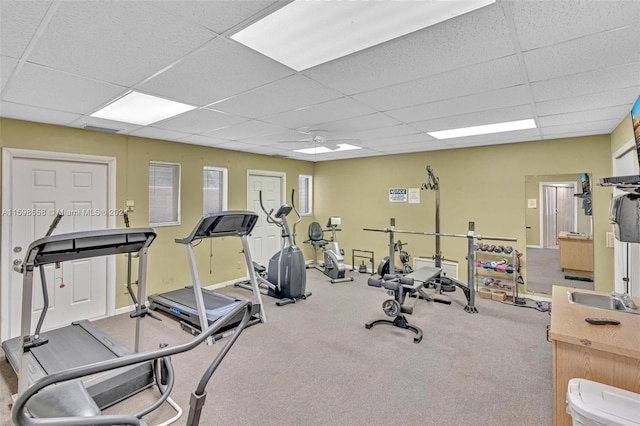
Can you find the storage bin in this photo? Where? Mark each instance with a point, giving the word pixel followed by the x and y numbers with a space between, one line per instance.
pixel 595 404
pixel 499 295
pixel 485 293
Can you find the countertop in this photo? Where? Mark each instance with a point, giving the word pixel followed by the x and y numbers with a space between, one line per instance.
pixel 568 325
pixel 569 235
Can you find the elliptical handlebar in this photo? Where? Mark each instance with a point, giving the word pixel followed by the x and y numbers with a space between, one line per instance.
pixel 270 218
pixel 293 206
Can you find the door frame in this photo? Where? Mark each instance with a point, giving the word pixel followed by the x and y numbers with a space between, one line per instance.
pixel 8 157
pixel 619 251
pixel 541 209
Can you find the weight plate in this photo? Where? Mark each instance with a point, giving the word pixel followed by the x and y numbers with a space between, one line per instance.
pixel 391 307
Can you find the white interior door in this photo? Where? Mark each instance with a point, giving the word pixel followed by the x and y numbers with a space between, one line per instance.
pixel 558 211
pixel 39 189
pixel 624 164
pixel 265 239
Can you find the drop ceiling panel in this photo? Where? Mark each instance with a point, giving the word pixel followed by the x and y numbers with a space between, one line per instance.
pixel 496 99
pixel 589 53
pixel 33 113
pixel 7 65
pixel 338 109
pixel 200 120
pixel 286 139
pixel 51 89
pixel 458 73
pixel 542 23
pixel 340 155
pixel 586 102
pixel 366 122
pixel 287 94
pixel 495 139
pixel 204 140
pixel 431 145
pixel 155 133
pixel 587 128
pixel 475 37
pixel 389 142
pixel 500 73
pixel 518 112
pixel 220 70
pixel 19 21
pixel 248 129
pixel 147 39
pixel 400 130
pixel 218 16
pixel 611 113
pixel 621 77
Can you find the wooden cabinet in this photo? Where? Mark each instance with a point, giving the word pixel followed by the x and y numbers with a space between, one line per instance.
pixel 608 354
pixel 576 253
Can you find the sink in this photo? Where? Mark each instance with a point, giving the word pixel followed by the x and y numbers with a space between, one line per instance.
pixel 599 301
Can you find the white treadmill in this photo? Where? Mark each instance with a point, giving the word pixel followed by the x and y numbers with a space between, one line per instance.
pixel 34 356
pixel 196 306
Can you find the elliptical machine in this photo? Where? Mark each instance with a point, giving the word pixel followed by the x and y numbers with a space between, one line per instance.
pixel 286 275
pixel 333 265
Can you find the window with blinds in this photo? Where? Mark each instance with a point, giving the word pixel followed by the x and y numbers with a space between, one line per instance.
pixel 214 189
pixel 164 194
pixel 305 192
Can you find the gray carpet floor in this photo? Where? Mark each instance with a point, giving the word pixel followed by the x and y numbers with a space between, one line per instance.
pixel 543 272
pixel 314 363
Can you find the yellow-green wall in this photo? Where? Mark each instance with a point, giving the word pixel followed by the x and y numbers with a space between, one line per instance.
pixel 220 261
pixel 483 184
pixel 622 134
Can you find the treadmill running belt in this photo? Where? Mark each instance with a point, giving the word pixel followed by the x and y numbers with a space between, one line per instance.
pixel 68 347
pixel 212 301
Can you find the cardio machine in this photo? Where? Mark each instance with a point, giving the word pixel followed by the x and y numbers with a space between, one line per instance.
pixel 286 276
pixel 333 265
pixel 198 307
pixel 35 356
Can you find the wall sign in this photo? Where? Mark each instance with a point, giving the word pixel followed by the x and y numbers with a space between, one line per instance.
pixel 398 195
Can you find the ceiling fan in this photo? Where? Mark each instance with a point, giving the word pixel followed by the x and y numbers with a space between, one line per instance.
pixel 321 138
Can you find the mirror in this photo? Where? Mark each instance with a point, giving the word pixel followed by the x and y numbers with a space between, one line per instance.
pixel 559 232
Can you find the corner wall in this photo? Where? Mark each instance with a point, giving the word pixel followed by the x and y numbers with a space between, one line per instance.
pixel 485 185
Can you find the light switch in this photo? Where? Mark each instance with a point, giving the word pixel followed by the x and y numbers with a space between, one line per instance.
pixel 532 203
pixel 130 205
pixel 610 239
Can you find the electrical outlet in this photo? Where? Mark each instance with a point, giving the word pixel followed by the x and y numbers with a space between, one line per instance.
pixel 610 239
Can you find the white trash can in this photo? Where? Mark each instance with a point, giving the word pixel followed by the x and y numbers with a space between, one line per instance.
pixel 596 404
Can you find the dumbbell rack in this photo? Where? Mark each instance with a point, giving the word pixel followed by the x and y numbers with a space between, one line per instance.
pixel 508 280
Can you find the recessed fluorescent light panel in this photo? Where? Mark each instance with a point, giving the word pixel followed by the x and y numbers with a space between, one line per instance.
pixel 138 108
pixel 324 149
pixel 306 33
pixel 484 130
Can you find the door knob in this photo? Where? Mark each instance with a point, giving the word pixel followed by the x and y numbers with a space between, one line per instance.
pixel 17 249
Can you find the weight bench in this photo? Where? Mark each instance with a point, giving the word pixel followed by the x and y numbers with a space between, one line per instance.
pixel 400 286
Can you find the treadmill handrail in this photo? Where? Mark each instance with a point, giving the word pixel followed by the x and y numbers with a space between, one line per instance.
pixel 18 413
pixel 222 224
pixel 85 244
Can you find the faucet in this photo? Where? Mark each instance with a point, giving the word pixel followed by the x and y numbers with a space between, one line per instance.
pixel 626 300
